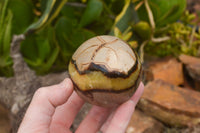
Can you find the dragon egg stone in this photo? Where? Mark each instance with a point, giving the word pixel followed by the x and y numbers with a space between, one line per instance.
pixel 105 71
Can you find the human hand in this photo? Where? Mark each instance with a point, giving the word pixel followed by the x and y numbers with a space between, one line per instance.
pixel 53 109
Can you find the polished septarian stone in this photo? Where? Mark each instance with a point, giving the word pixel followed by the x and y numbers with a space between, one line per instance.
pixel 105 71
pixel 109 52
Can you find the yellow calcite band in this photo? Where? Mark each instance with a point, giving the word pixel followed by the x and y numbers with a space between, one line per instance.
pixel 97 80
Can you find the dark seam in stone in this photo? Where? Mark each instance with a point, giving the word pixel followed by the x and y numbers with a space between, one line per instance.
pixel 101 46
pixel 88 94
pixel 103 69
pixel 114 74
pixel 93 55
pixel 108 91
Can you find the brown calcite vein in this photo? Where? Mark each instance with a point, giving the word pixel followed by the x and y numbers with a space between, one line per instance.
pixel 103 43
pixel 170 104
pixel 111 52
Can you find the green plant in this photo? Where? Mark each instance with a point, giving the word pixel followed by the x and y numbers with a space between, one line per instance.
pixel 176 38
pixel 158 31
pixel 40 50
pixel 164 12
pixel 23 14
pixel 60 37
pixel 5 39
pixel 53 29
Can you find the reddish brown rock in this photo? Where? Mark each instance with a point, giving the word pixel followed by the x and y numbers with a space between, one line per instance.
pixel 186 59
pixel 172 105
pixel 5 126
pixel 168 69
pixel 193 68
pixel 187 84
pixel 141 123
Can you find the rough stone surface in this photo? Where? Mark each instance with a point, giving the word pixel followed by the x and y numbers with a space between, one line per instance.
pixel 141 123
pixel 172 105
pixel 194 129
pixel 193 69
pixel 16 92
pixel 53 78
pixel 5 125
pixel 168 69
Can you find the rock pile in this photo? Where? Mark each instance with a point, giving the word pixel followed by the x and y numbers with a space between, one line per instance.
pixel 171 96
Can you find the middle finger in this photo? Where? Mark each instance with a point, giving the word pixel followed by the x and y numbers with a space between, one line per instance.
pixel 94 120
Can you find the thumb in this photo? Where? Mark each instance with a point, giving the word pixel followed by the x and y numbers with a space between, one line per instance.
pixel 43 105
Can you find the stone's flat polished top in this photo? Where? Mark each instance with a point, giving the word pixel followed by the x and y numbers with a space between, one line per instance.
pixel 109 52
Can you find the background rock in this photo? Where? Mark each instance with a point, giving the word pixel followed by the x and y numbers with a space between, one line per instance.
pixel 141 123
pixel 5 126
pixel 170 104
pixel 192 65
pixel 167 69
